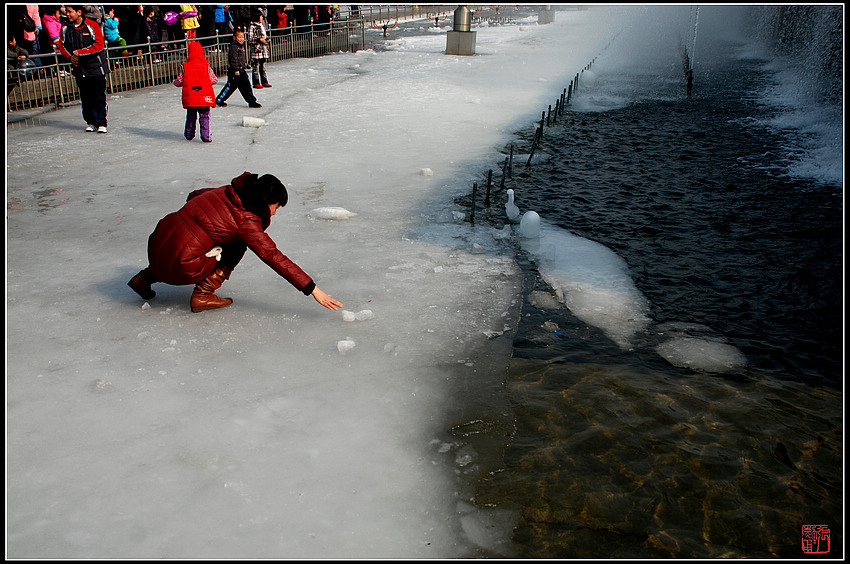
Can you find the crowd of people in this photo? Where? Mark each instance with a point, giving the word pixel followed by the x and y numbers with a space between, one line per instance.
pixel 82 33
pixel 37 28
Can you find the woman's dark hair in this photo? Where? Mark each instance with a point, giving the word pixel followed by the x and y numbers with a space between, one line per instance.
pixel 256 194
pixel 272 190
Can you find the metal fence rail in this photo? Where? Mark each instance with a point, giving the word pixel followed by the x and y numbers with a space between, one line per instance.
pixel 51 85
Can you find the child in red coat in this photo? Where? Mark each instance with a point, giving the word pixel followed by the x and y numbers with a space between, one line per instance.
pixel 197 77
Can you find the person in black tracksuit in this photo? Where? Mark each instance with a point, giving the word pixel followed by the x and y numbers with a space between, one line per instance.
pixel 83 44
pixel 237 73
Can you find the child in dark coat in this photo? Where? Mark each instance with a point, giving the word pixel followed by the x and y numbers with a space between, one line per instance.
pixel 237 72
pixel 197 77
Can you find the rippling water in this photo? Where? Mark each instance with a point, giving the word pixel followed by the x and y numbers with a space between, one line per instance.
pixel 619 453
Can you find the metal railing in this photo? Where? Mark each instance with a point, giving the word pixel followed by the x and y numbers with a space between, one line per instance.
pixel 51 85
pixel 381 13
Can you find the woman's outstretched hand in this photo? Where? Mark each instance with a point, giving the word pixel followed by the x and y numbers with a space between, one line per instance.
pixel 325 300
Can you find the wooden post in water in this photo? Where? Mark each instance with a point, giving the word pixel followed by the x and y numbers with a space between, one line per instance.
pixel 511 163
pixel 489 184
pixel 472 212
pixel 537 138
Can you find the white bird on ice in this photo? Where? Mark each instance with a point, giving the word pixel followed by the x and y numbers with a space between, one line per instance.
pixel 510 207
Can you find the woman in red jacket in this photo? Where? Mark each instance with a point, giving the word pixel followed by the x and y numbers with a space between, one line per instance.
pixel 203 242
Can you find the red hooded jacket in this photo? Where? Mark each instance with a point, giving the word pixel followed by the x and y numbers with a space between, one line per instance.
pixel 197 87
pixel 212 216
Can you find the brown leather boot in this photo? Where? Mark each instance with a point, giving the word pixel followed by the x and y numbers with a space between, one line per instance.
pixel 141 284
pixel 204 298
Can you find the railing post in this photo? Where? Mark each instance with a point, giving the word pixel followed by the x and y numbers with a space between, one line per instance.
pixel 60 81
pixel 149 59
pixel 111 88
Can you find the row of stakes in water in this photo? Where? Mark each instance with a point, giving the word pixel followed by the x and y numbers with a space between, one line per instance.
pixel 533 223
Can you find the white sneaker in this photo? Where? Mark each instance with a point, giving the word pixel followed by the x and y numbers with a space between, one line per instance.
pixel 89 127
pixel 101 129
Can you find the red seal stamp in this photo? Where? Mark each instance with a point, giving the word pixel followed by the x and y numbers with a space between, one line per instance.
pixel 815 539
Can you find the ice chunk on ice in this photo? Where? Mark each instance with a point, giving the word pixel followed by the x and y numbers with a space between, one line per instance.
pixel 364 314
pixel 529 225
pixel 345 345
pixel 501 234
pixel 426 172
pixel 331 213
pixel 249 121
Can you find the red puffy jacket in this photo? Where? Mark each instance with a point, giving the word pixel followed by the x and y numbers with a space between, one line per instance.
pixel 213 216
pixel 197 87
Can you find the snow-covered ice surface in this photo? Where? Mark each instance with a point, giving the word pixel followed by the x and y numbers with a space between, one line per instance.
pixel 141 430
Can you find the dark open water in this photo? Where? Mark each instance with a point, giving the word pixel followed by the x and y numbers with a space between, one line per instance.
pixel 620 454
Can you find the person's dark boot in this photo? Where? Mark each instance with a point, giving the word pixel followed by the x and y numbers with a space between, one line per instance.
pixel 204 298
pixel 141 284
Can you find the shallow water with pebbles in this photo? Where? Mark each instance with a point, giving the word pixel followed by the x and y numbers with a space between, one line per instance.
pixel 633 453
